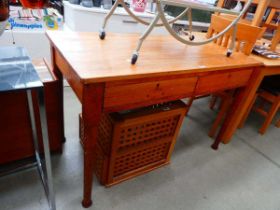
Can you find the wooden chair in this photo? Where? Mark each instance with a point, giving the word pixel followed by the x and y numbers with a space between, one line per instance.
pixel 262 7
pixel 226 98
pixel 246 37
pixel 273 23
pixel 269 93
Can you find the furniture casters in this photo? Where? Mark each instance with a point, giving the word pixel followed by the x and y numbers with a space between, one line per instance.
pixel 134 58
pixel 102 34
pixel 191 37
pixel 229 52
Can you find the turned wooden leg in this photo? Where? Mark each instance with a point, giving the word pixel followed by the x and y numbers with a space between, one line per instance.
pixel 237 109
pixel 91 112
pixel 269 118
pixel 245 116
pixel 88 178
pixel 224 108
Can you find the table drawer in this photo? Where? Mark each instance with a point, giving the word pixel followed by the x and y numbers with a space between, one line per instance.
pixel 134 94
pixel 222 81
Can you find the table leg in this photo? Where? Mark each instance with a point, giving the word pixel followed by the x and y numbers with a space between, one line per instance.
pixel 46 176
pixel 238 108
pixel 91 111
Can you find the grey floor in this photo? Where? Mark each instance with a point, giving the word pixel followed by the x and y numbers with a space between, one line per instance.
pixel 244 174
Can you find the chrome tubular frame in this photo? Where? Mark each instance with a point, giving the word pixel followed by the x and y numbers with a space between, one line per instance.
pixel 166 23
pixel 45 170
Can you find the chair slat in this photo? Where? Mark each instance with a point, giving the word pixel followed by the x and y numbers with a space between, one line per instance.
pixel 246 33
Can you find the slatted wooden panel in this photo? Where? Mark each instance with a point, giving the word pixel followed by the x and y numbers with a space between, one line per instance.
pixel 105 131
pixel 100 164
pixel 137 159
pixel 101 156
pixel 138 134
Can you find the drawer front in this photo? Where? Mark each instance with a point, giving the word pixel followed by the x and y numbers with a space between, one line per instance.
pixel 132 95
pixel 222 81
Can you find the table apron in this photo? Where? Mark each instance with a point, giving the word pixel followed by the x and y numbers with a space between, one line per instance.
pixel 136 93
pixel 69 74
pixel 223 81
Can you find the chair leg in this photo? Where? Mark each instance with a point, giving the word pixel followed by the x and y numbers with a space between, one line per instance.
pixel 189 104
pixel 213 102
pixel 262 103
pixel 245 116
pixel 278 124
pixel 269 117
pixel 224 108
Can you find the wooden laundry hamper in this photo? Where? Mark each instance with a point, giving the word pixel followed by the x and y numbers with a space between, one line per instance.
pixel 135 142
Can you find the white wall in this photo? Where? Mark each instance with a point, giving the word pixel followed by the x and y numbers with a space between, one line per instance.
pixel 36 43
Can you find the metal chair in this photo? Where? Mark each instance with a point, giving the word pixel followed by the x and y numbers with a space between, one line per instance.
pixel 188 5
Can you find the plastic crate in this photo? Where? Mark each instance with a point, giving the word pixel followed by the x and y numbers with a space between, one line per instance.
pixel 135 142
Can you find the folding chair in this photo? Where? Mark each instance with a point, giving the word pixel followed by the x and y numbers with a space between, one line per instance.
pixel 188 5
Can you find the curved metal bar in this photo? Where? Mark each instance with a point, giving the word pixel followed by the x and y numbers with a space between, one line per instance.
pixel 110 14
pixel 147 23
pixel 190 21
pixel 176 36
pixel 146 33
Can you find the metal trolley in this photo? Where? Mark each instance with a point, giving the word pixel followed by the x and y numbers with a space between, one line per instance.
pixel 164 22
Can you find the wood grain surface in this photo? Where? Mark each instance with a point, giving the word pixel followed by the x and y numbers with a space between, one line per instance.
pixel 95 60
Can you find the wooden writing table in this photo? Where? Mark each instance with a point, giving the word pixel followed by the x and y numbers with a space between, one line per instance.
pixel 100 74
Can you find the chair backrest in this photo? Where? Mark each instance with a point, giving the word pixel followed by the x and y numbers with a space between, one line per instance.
pixel 273 23
pixel 273 20
pixel 246 36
